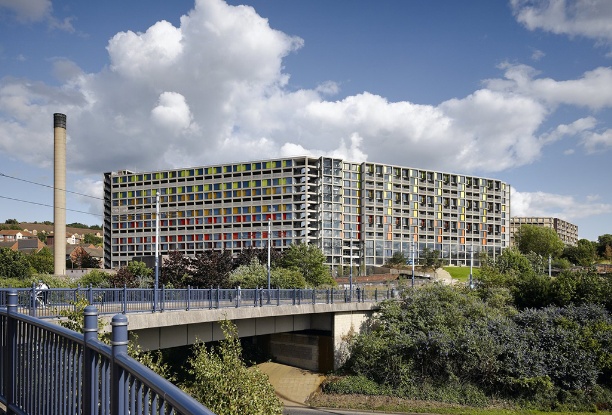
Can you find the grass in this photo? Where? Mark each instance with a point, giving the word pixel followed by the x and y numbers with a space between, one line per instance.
pixel 387 404
pixel 461 273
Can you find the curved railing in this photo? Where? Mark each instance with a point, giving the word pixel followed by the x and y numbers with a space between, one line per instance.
pixel 135 300
pixel 48 369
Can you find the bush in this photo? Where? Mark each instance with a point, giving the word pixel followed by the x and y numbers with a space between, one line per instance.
pixel 223 383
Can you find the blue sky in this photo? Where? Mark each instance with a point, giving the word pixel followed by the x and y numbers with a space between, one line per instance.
pixel 518 90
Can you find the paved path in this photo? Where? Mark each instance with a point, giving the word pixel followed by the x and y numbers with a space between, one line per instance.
pixel 292 385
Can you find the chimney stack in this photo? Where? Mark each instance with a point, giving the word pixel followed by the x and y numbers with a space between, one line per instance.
pixel 59 194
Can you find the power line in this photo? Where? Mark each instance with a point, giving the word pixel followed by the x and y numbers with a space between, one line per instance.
pixel 50 187
pixel 44 204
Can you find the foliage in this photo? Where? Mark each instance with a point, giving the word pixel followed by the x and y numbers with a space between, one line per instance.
pixel 90 238
pixel 14 264
pixel 174 270
pixel 42 237
pixel 398 258
pixel 42 261
pixel 430 259
pixel 583 254
pixel 135 274
pixel 256 275
pixel 539 240
pixel 446 343
pixel 210 269
pixel 603 242
pixel 96 278
pixel 224 384
pixel 310 262
pixel 11 222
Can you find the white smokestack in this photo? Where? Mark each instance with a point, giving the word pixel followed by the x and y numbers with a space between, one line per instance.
pixel 59 194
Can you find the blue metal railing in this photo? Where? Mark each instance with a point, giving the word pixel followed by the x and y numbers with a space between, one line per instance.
pixel 138 300
pixel 48 369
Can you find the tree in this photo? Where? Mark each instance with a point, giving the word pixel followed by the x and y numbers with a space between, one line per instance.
pixel 92 239
pixel 310 262
pixel 398 258
pixel 42 261
pixel 14 264
pixel 80 258
pixel 256 275
pixel 603 242
pixel 225 385
pixel 42 237
pixel 175 269
pixel 539 240
pixel 11 222
pixel 583 254
pixel 135 275
pixel 210 269
pixel 431 258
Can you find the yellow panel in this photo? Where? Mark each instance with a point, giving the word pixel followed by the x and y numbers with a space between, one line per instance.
pixel 439 215
pixel 439 192
pixel 415 213
pixel 484 197
pixel 484 219
pixel 462 217
pixel 503 208
pixel 389 211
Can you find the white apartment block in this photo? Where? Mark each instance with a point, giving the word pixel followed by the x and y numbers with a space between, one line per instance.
pixel 568 232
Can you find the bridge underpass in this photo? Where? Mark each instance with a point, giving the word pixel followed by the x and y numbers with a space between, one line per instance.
pixel 308 336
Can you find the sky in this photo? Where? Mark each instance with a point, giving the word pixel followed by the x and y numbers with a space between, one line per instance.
pixel 517 90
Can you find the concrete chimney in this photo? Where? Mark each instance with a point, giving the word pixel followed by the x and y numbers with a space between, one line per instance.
pixel 59 194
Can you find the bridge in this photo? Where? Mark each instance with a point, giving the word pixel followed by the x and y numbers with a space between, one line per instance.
pixel 305 328
pixel 48 369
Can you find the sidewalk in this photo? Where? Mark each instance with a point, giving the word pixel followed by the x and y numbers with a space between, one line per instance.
pixel 292 385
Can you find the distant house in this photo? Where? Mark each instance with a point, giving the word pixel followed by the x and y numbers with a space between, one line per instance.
pixel 27 246
pixel 14 235
pixel 74 252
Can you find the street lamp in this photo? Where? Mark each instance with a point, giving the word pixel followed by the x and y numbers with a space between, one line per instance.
pixel 269 232
pixel 156 251
pixel 471 262
pixel 412 260
pixel 351 267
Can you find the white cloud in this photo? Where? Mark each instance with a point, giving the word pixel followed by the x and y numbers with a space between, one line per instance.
pixel 213 90
pixel 537 54
pixel 592 90
pixel 554 205
pixel 589 18
pixel 28 10
pixel 37 11
pixel 595 142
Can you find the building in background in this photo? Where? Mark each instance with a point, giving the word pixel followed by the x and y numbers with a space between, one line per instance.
pixel 359 214
pixel 568 232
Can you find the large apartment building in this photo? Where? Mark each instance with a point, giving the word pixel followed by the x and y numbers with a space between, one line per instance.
pixel 359 214
pixel 568 232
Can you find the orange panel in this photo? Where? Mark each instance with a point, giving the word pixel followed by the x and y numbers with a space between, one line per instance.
pixel 462 240
pixel 439 239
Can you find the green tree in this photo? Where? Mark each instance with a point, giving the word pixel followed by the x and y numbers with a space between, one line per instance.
pixel 96 278
pixel 14 264
pixel 11 222
pixel 224 384
pixel 603 242
pixel 583 254
pixel 539 240
pixel 310 262
pixel 42 261
pixel 135 274
pixel 398 258
pixel 431 258
pixel 92 239
pixel 42 237
pixel 256 275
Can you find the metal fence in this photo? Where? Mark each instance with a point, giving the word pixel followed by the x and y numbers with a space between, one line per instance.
pixel 48 369
pixel 59 301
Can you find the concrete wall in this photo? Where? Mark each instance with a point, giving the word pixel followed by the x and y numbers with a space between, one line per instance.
pixel 297 350
pixel 346 324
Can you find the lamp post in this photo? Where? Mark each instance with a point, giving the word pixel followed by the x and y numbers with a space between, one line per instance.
pixel 471 262
pixel 351 267
pixel 549 265
pixel 269 232
pixel 155 288
pixel 412 260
